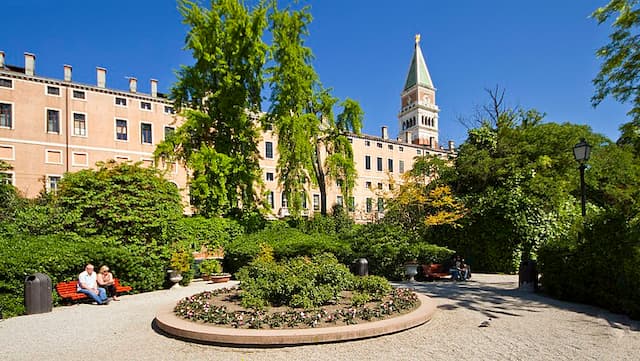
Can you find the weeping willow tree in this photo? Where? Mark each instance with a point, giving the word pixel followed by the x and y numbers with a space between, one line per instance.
pixel 217 96
pixel 313 145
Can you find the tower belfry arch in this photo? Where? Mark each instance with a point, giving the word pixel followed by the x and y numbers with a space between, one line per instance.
pixel 418 117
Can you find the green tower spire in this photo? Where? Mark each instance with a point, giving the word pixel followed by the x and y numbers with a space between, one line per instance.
pixel 418 72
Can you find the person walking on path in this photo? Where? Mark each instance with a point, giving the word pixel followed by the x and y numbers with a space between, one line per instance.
pixel 88 285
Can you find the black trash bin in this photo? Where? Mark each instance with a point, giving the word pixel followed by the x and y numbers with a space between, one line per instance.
pixel 361 267
pixel 37 294
pixel 528 275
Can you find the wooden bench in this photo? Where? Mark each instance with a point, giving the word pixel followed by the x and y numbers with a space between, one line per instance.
pixel 434 270
pixel 68 290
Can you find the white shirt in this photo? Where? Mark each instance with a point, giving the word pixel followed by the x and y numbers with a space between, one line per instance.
pixel 88 279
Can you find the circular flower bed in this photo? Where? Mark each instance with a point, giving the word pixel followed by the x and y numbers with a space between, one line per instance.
pixel 222 307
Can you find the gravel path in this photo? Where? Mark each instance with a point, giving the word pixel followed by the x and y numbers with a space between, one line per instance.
pixel 523 326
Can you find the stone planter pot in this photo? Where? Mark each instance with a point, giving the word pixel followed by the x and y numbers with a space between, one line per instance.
pixel 220 278
pixel 411 270
pixel 175 277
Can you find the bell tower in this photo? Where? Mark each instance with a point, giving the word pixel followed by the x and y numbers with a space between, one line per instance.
pixel 418 118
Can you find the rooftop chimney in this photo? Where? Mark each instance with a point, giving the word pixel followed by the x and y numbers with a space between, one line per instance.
pixel 29 64
pixel 133 84
pixel 1 59
pixel 154 88
pixel 452 146
pixel 67 72
pixel 101 75
pixel 384 133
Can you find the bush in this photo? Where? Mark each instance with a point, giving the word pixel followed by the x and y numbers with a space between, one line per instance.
pixel 62 257
pixel 286 242
pixel 387 247
pixel 199 231
pixel 603 270
pixel 299 282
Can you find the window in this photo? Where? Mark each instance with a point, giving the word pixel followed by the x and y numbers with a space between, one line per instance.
pixel 391 186
pixel 52 156
pixel 401 149
pixel 269 177
pixel 390 164
pixel 379 161
pixel 78 94
pixel 53 90
pixel 79 124
pixel 145 105
pixel 352 204
pixel 369 203
pixel 169 109
pixel 380 186
pixel 122 130
pixel 284 200
pixel 380 205
pixel 168 131
pixel 121 101
pixel 145 133
pixel 367 143
pixel 52 183
pixel 268 149
pixel 6 178
pixel 268 126
pixel 79 159
pixel 339 200
pixel 350 140
pixel 316 202
pixel 379 145
pixel 53 121
pixel 367 162
pixel 418 151
pixel 304 200
pixel 6 83
pixel 271 200
pixel 367 185
pixel 401 166
pixel 390 147
pixel 6 111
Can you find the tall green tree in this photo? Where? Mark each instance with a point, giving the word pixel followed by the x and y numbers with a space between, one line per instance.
pixel 219 97
pixel 313 146
pixel 619 75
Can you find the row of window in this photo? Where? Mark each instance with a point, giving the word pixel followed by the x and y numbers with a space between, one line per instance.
pixel 316 202
pixel 379 164
pixel 367 143
pixel 51 181
pixel 80 125
pixel 82 95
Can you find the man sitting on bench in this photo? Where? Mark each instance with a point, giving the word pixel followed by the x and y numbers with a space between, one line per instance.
pixel 88 285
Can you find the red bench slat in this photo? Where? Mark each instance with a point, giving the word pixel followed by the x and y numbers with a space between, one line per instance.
pixel 69 289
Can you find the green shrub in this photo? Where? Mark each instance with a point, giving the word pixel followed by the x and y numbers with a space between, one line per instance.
pixel 298 282
pixel 387 247
pixel 214 232
pixel 62 257
pixel 603 270
pixel 374 286
pixel 286 243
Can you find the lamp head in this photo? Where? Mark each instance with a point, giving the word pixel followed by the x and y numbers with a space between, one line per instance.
pixel 582 151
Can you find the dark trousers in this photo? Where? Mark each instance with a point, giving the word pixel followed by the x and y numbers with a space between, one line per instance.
pixel 111 290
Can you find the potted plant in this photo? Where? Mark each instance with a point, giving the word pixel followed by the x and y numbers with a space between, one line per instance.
pixel 180 262
pixel 217 276
pixel 209 267
pixel 411 263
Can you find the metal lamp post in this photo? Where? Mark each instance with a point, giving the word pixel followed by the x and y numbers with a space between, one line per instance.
pixel 581 152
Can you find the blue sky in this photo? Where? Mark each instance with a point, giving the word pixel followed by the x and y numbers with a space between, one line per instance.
pixel 541 52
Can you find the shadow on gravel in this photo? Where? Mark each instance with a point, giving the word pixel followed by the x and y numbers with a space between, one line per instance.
pixel 503 299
